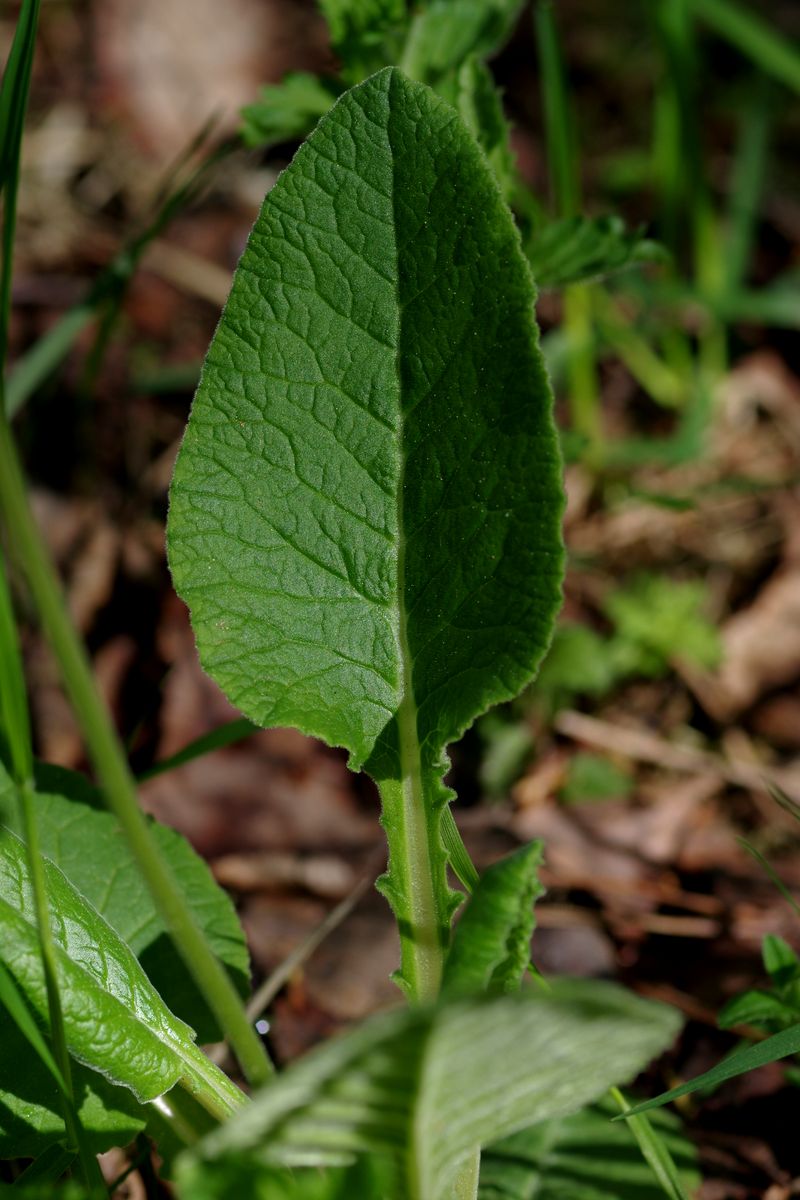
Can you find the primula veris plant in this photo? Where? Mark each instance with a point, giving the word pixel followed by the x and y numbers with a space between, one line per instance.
pixel 365 513
pixel 365 522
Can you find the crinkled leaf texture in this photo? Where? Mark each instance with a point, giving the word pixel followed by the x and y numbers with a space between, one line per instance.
pixel 583 1156
pixel 365 513
pixel 115 1022
pixel 492 942
pixel 427 1085
pixel 82 838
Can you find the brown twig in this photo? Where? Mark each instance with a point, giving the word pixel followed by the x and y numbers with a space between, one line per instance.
pixel 648 747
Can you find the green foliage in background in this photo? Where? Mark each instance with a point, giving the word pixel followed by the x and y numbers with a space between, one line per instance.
pixel 595 777
pixel 655 622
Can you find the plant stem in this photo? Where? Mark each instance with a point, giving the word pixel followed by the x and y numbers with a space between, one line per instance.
pixel 410 824
pixel 109 760
pixel 211 1087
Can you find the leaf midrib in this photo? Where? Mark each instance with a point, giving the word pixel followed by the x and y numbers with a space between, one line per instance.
pixel 418 881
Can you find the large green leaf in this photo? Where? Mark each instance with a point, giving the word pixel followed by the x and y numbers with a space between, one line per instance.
pixel 85 841
pixel 114 1020
pixel 365 514
pixel 583 1156
pixel 427 1085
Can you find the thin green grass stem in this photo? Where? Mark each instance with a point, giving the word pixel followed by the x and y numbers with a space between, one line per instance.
pixel 13 700
pixel 16 725
pixel 562 159
pixel 75 1138
pixel 654 1150
pixel 226 735
pixel 565 184
pixel 665 385
pixel 680 172
pixel 770 50
pixel 746 185
pixel 112 769
pixel 13 106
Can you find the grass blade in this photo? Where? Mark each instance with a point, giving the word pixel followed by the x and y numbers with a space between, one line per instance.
pixel 108 291
pixel 226 735
pixel 14 714
pixel 767 867
pixel 746 184
pixel 654 1150
pixel 766 47
pixel 562 156
pixel 13 105
pixel 781 1045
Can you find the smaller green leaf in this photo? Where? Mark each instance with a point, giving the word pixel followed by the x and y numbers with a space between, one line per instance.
pixel 114 1020
pixel 287 110
pixel 580 663
pixel 85 841
pixel 491 945
pixel 445 33
pixel 780 961
pixel 575 249
pixel 754 1007
pixel 771 1050
pixel 457 854
pixel 364 33
pixel 583 1156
